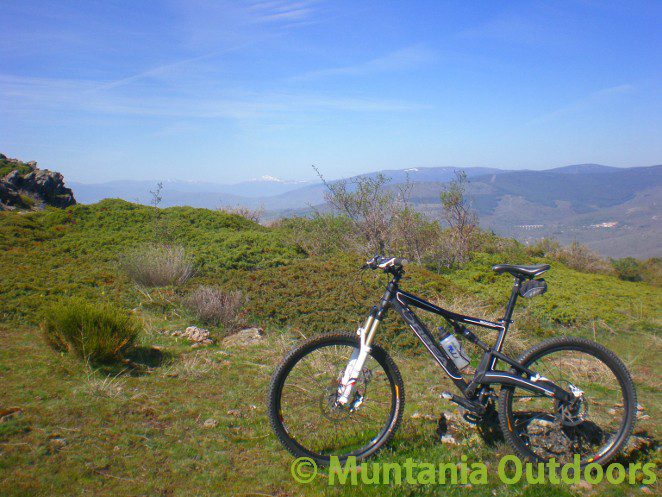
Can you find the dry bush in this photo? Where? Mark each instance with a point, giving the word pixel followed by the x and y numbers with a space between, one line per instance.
pixel 461 218
pixel 627 268
pixel 415 236
pixel 451 249
pixel 544 247
pixel 159 265
pixel 377 218
pixel 370 207
pixel 110 387
pixel 580 257
pixel 651 271
pixel 215 306
pixel 194 365
pixel 254 215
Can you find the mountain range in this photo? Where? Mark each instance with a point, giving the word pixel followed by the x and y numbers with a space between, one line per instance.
pixel 615 211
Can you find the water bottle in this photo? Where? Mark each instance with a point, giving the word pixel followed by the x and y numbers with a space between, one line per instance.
pixel 454 349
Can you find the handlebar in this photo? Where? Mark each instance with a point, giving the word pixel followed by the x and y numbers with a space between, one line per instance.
pixel 387 264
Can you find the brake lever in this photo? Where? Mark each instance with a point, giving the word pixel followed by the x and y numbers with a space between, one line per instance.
pixel 371 264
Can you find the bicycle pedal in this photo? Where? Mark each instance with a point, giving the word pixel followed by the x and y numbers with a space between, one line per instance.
pixel 472 418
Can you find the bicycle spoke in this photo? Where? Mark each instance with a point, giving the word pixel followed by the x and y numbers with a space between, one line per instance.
pixel 308 402
pixel 546 432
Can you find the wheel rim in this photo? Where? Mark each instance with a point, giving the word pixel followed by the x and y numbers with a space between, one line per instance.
pixel 307 410
pixel 590 427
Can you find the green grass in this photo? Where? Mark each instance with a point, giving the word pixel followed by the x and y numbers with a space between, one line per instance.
pixel 7 167
pixel 137 435
pixel 573 298
pixel 141 431
pixel 76 252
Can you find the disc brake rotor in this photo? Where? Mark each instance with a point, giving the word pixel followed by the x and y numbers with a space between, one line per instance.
pixel 333 411
pixel 575 412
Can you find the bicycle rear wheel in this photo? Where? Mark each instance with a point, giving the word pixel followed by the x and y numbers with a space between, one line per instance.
pixel 596 425
pixel 302 400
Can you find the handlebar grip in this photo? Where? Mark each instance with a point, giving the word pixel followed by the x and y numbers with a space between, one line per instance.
pixel 384 263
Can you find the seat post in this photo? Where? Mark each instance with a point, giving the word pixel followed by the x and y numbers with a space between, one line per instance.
pixel 510 307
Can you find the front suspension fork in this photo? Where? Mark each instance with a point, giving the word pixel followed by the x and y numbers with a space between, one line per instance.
pixel 357 360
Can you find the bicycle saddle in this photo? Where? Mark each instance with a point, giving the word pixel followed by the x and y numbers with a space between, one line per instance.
pixel 521 271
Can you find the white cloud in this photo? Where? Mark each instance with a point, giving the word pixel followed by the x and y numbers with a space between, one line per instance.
pixel 398 60
pixel 595 98
pixel 41 95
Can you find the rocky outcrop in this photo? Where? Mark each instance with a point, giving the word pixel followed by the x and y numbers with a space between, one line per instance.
pixel 25 186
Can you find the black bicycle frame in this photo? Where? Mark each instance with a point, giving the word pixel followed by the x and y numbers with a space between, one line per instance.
pixel 485 374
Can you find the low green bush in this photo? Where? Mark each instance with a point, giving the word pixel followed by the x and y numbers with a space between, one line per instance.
pixel 651 271
pixel 27 202
pixel 95 333
pixel 573 297
pixel 627 268
pixel 315 295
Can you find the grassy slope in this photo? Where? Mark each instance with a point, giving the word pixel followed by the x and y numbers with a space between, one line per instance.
pixel 128 435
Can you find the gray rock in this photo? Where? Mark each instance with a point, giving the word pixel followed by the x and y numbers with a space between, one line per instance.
pixel 44 187
pixel 210 423
pixel 449 440
pixel 248 336
pixel 428 417
pixel 199 336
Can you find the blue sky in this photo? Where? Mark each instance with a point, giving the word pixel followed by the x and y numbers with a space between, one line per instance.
pixel 228 91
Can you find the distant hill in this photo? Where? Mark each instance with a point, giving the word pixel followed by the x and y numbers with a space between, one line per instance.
pixel 192 193
pixel 271 193
pixel 616 211
pixel 584 168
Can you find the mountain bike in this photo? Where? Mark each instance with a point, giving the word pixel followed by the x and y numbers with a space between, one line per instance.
pixel 341 394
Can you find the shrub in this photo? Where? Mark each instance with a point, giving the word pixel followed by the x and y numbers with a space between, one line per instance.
pixel 324 234
pixel 253 215
pixel 28 202
pixel 415 236
pixel 651 271
pixel 212 305
pixel 159 265
pixel 96 333
pixel 544 247
pixel 581 258
pixel 369 206
pixel 461 218
pixel 627 268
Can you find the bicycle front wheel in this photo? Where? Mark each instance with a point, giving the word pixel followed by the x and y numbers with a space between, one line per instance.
pixel 595 425
pixel 302 400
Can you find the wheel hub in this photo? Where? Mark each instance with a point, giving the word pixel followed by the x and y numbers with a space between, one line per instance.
pixel 575 412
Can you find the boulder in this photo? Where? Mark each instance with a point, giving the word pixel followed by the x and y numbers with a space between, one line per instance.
pixel 248 336
pixel 199 336
pixel 40 186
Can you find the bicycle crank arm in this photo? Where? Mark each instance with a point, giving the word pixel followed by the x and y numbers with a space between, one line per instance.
pixel 465 403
